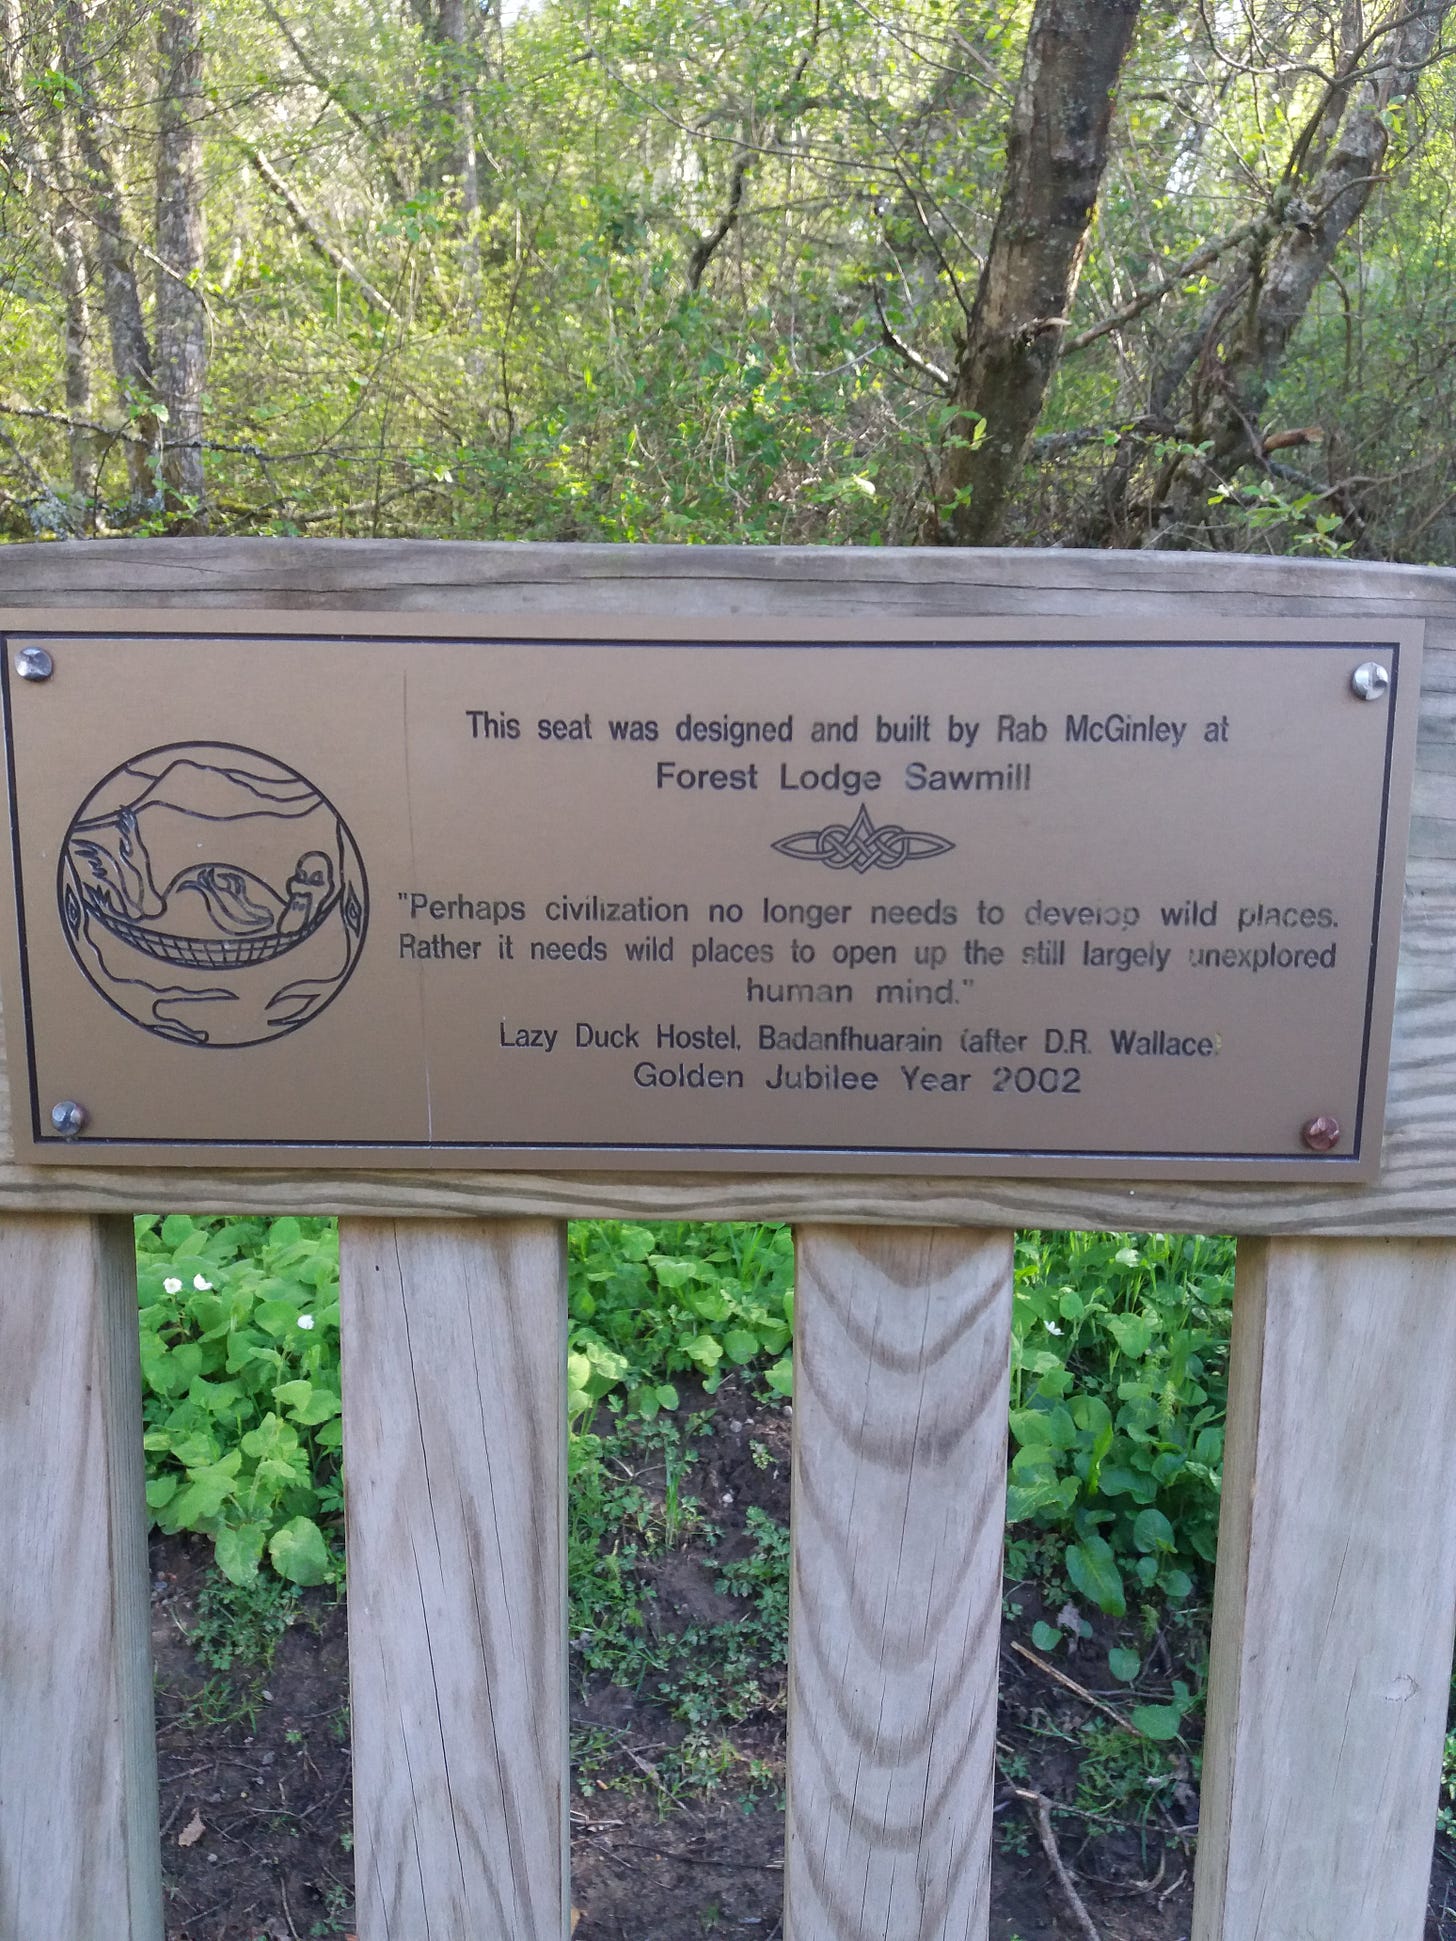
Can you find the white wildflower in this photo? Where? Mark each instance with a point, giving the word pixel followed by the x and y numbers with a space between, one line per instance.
pixel 172 1286
pixel 1051 1327
pixel 202 1286
pixel 305 1320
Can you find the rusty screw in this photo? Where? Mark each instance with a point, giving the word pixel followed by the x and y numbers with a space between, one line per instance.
pixel 1321 1134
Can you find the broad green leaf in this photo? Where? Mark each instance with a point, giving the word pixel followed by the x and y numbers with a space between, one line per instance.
pixel 1124 1664
pixel 1093 1570
pixel 1151 1530
pixel 1157 1721
pixel 1133 1333
pixel 299 1553
pixel 239 1550
pixel 1046 1637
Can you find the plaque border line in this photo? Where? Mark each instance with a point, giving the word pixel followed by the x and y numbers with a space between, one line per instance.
pixel 1402 642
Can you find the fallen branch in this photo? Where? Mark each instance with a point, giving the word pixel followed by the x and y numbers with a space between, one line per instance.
pixel 1041 1808
pixel 1080 1691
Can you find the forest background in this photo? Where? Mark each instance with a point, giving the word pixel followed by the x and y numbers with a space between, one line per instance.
pixel 1089 272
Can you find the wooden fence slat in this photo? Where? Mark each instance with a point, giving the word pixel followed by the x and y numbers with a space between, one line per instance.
pixel 1335 1594
pixel 454 1346
pixel 78 1764
pixel 902 1366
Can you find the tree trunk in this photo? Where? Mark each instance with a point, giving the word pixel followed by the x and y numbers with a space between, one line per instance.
pixel 53 170
pixel 1231 360
pixel 181 323
pixel 1056 153
pixel 1348 149
pixel 131 355
pixel 71 250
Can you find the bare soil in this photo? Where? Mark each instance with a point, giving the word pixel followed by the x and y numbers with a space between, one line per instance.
pixel 256 1837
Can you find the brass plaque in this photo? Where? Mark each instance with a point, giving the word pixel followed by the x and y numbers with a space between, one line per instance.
pixel 935 898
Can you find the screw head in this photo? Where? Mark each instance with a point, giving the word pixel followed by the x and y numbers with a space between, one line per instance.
pixel 69 1118
pixel 34 664
pixel 1370 680
pixel 1321 1134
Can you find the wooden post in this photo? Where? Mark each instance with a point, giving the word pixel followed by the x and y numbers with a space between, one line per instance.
pixel 902 1360
pixel 79 1854
pixel 1335 1594
pixel 454 1348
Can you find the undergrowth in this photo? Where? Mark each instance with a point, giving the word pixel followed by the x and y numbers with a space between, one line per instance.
pixel 1118 1394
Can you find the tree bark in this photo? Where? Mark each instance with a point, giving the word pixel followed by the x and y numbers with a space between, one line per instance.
pixel 181 322
pixel 1214 388
pixel 131 354
pixel 1055 157
pixel 1348 149
pixel 52 167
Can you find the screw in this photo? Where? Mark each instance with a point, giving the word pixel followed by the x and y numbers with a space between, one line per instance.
pixel 69 1119
pixel 34 664
pixel 1371 681
pixel 1321 1134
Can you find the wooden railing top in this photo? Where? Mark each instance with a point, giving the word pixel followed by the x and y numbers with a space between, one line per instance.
pixel 1417 1191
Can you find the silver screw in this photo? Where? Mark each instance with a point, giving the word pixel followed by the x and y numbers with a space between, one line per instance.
pixel 69 1119
pixel 1371 681
pixel 1321 1134
pixel 34 664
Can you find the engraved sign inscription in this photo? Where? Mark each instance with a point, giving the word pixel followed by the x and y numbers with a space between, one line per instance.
pixel 940 897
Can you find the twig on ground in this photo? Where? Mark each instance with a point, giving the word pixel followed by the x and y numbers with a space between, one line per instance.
pixel 1080 1691
pixel 1041 1808
pixel 1169 1892
pixel 287 1910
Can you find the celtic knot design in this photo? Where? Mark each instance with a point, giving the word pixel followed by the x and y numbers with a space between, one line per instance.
pixel 860 846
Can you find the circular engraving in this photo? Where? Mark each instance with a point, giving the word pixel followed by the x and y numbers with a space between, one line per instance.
pixel 212 894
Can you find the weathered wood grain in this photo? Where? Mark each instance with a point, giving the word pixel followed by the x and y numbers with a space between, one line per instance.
pixel 1335 1594
pixel 1417 1194
pixel 902 1359
pixel 78 1765
pixel 454 1345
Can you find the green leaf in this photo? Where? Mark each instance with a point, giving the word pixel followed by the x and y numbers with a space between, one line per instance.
pixel 1046 1637
pixel 238 1549
pixel 1124 1664
pixel 636 1243
pixel 299 1553
pixel 1157 1721
pixel 740 1344
pixel 175 1229
pixel 780 1377
pixel 1133 1333
pixel 1093 1570
pixel 1177 1583
pixel 1151 1530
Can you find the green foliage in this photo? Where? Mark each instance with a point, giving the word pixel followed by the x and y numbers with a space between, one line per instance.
pixel 240 1624
pixel 650 1304
pixel 1119 1386
pixel 240 1367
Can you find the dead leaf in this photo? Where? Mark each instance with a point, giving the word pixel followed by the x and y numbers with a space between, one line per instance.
pixel 575 1917
pixel 192 1832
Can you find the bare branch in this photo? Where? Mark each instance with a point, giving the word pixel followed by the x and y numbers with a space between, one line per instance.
pixel 1259 229
pixel 907 354
pixel 317 241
